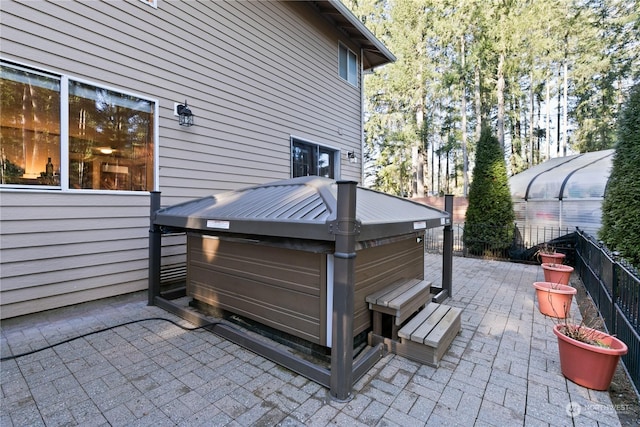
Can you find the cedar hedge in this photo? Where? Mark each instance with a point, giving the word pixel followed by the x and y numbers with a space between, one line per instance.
pixel 621 207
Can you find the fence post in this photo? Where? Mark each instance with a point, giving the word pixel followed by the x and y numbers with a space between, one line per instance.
pixel 447 250
pixel 614 293
pixel 155 247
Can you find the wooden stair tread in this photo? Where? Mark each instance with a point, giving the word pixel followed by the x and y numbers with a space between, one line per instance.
pixel 432 325
pixel 401 299
pixel 398 293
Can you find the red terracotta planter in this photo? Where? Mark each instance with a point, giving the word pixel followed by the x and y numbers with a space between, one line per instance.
pixel 554 299
pixel 589 365
pixel 556 258
pixel 557 273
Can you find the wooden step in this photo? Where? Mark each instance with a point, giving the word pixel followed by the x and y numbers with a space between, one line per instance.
pixel 401 299
pixel 427 336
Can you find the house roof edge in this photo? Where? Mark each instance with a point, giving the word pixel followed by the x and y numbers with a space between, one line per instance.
pixel 376 52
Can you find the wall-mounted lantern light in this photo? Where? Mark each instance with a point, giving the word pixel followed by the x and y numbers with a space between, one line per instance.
pixel 185 116
pixel 351 155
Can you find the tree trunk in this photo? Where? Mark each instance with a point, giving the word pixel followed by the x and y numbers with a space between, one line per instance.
pixel 439 171
pixel 478 100
pixel 417 158
pixel 531 126
pixel 564 109
pixel 433 166
pixel 548 125
pixel 463 107
pixel 559 113
pixel 447 174
pixel 417 167
pixel 537 158
pixel 500 95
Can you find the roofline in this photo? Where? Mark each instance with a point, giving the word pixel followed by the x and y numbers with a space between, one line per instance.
pixel 377 47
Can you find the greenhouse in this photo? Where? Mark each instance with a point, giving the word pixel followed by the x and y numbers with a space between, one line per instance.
pixel 555 197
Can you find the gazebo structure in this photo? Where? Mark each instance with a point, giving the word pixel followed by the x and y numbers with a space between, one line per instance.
pixel 310 257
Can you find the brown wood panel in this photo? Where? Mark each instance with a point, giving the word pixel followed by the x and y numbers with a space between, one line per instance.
pixel 279 287
pixel 290 269
pixel 379 266
pixel 285 288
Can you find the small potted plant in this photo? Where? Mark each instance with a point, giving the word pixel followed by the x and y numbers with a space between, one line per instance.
pixel 588 357
pixel 547 254
pixel 554 299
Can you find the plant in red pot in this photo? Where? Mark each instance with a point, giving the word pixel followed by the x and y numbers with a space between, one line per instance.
pixel 557 273
pixel 554 299
pixel 588 357
pixel 547 254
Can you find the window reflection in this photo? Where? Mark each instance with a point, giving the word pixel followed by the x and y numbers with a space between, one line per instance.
pixel 110 140
pixel 30 128
pixel 310 159
pixel 110 134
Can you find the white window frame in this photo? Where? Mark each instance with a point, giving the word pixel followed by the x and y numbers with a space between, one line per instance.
pixel 64 134
pixel 352 59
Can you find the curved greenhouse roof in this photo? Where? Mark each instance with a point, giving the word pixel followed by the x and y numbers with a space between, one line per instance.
pixel 581 176
pixel 561 194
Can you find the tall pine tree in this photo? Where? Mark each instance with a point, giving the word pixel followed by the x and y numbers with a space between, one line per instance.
pixel 489 223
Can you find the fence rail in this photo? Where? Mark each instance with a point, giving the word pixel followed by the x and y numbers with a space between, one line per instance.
pixel 614 287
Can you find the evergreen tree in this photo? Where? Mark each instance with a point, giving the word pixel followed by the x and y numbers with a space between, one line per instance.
pixel 621 208
pixel 544 74
pixel 490 219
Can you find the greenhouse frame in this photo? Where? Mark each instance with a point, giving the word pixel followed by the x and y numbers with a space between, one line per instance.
pixel 561 194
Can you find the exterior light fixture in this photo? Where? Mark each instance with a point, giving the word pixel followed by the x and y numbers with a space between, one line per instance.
pixel 185 116
pixel 351 155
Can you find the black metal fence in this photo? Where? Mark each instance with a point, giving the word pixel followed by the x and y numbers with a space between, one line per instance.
pixel 513 243
pixel 614 287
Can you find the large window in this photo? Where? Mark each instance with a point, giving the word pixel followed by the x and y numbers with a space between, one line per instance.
pixel 347 64
pixel 312 159
pixel 29 127
pixel 107 143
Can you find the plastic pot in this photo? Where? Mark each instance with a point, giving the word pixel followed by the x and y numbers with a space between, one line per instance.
pixel 589 365
pixel 554 299
pixel 557 273
pixel 555 258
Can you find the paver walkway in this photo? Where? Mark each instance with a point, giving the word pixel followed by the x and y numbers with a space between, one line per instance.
pixel 501 370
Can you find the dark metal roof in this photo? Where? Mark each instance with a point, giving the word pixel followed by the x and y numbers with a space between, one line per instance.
pixel 299 208
pixel 374 51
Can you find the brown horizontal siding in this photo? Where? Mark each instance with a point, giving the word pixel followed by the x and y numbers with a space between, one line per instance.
pixel 83 294
pixel 254 73
pixel 59 246
pixel 380 266
pixel 281 288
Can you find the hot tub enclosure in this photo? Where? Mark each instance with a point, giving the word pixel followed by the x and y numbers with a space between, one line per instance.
pixel 279 253
pixel 290 288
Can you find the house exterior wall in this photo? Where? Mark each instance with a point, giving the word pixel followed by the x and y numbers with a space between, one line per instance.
pixel 254 74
